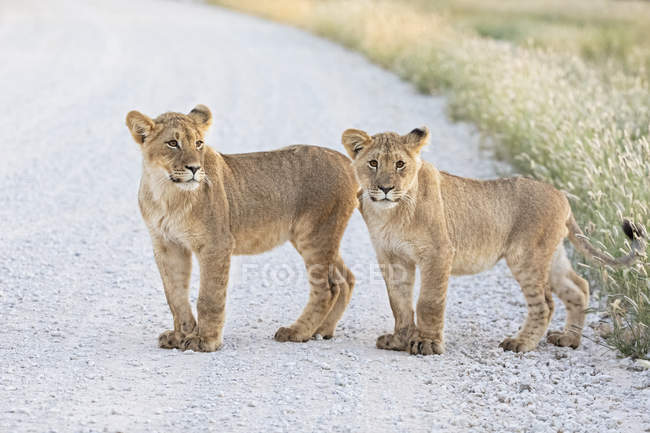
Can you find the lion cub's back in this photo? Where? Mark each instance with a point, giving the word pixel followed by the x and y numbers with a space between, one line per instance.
pixel 270 191
pixel 298 172
pixel 326 175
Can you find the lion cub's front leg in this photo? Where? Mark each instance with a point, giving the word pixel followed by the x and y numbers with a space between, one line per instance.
pixel 214 263
pixel 399 275
pixel 175 265
pixel 428 339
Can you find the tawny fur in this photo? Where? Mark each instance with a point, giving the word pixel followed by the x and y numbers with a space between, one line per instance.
pixel 447 225
pixel 240 204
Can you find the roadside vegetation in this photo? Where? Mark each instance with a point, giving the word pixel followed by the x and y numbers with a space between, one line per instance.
pixel 561 89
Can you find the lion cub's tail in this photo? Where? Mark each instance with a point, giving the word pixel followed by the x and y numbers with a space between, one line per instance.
pixel 635 233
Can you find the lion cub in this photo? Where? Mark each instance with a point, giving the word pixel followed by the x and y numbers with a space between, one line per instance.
pixel 449 225
pixel 196 200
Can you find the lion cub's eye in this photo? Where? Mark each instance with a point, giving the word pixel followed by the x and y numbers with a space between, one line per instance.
pixel 373 164
pixel 172 143
pixel 199 144
pixel 399 164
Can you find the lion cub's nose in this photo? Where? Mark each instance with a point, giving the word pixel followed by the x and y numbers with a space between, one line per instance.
pixel 386 188
pixel 193 168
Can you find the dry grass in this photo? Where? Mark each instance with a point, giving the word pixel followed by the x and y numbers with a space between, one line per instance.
pixel 604 32
pixel 560 107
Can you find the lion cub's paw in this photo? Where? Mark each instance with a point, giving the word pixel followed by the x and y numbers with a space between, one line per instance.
pixel 391 342
pixel 198 343
pixel 289 334
pixel 170 339
pixel 517 345
pixel 419 345
pixel 564 339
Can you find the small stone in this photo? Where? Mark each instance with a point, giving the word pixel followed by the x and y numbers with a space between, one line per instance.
pixel 525 387
pixel 643 363
pixel 604 329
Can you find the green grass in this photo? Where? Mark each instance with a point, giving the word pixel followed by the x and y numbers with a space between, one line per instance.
pixel 561 87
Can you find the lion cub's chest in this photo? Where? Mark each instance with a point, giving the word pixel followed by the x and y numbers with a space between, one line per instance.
pixel 169 222
pixel 390 239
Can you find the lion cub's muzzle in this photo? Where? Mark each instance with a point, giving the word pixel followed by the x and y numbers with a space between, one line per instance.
pixel 384 195
pixel 190 174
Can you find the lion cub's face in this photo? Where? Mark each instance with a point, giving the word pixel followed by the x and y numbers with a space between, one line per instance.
pixel 172 145
pixel 386 164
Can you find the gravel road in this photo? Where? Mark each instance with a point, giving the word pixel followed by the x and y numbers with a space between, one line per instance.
pixel 81 300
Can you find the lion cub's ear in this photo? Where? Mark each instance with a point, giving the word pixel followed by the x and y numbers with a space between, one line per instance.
pixel 139 125
pixel 201 116
pixel 354 140
pixel 418 138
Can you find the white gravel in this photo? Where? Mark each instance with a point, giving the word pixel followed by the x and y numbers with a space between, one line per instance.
pixel 81 300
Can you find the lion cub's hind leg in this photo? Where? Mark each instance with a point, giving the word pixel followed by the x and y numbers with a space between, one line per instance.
pixel 345 279
pixel 319 247
pixel 574 293
pixel 532 274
